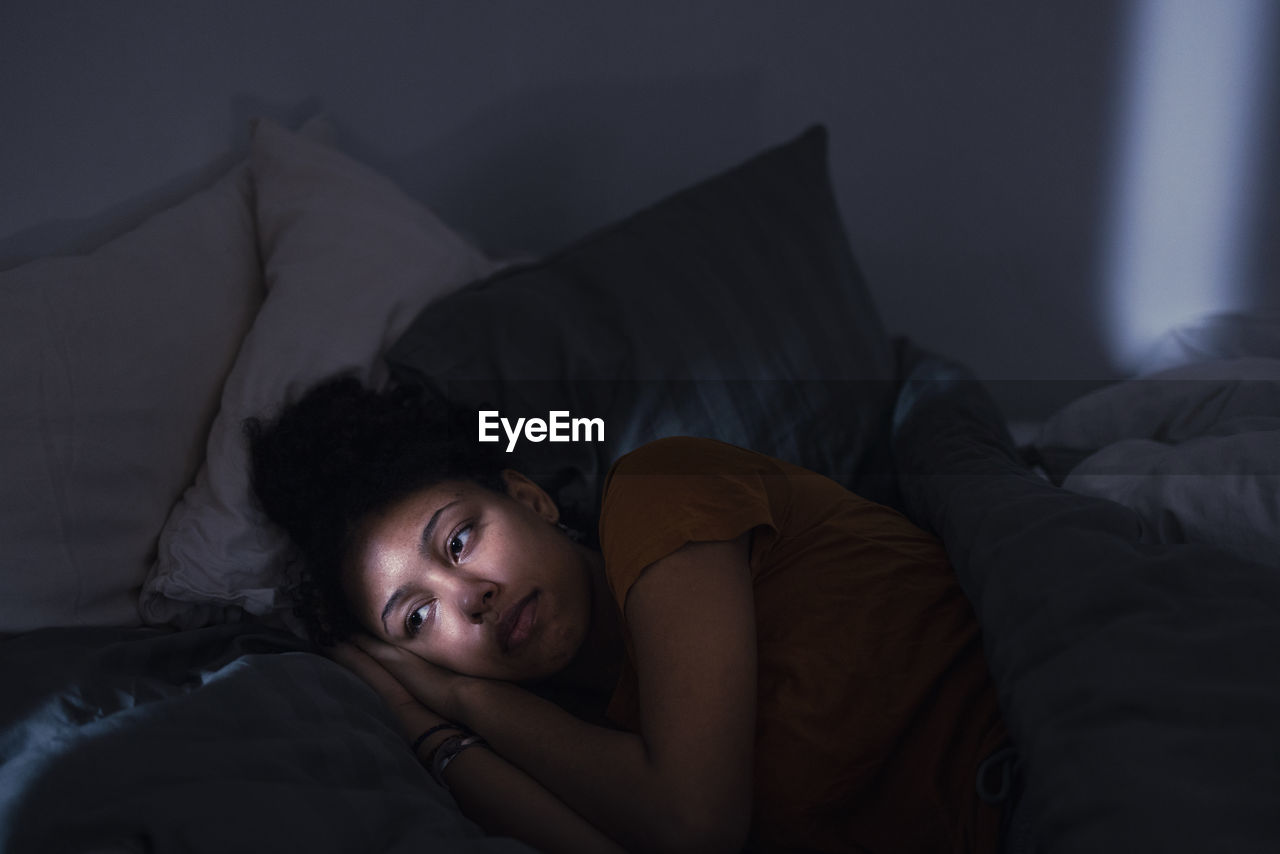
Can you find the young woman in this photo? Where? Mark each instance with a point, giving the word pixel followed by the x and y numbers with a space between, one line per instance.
pixel 754 658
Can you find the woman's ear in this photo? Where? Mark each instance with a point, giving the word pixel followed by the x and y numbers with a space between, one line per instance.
pixel 530 494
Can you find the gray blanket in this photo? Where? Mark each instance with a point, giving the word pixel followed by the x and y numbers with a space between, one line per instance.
pixel 230 738
pixel 1140 681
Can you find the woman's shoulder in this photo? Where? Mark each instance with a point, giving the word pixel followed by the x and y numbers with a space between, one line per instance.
pixel 680 490
pixel 691 455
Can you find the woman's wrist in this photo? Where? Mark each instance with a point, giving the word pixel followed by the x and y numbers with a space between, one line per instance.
pixel 425 744
pixel 449 750
pixel 465 695
pixel 444 730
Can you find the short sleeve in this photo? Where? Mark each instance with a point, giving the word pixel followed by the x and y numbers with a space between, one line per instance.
pixel 682 490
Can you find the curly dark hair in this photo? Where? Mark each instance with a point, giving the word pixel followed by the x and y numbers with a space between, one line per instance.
pixel 337 457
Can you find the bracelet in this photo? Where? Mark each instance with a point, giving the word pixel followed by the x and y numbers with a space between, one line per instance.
pixel 417 742
pixel 448 751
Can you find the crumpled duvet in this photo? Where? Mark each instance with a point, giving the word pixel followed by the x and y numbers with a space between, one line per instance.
pixel 230 738
pixel 1139 681
pixel 1194 450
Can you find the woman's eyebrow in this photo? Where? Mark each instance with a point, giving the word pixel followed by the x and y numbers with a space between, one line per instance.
pixel 391 603
pixel 424 546
pixel 428 533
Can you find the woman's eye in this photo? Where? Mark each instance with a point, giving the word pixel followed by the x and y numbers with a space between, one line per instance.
pixel 417 617
pixel 458 541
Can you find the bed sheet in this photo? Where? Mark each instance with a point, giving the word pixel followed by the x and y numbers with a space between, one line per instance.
pixel 231 738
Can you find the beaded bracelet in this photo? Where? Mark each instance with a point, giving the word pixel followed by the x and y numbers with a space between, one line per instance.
pixel 448 751
pixel 417 742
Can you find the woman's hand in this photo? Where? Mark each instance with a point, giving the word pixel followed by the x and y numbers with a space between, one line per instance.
pixel 431 685
pixel 494 793
pixel 413 716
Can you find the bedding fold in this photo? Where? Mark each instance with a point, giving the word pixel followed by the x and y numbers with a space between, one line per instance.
pixel 230 738
pixel 1138 679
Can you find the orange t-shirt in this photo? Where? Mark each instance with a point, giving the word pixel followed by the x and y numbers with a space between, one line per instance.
pixel 875 706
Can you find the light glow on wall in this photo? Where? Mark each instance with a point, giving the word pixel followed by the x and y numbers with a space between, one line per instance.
pixel 1188 150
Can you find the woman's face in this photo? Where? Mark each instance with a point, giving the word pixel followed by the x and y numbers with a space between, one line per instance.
pixel 480 582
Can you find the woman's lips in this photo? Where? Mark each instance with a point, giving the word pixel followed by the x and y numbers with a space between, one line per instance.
pixel 517 624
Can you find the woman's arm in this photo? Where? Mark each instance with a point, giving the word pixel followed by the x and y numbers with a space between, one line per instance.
pixel 506 801
pixel 685 782
pixel 490 791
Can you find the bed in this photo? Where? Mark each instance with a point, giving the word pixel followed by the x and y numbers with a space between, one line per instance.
pixel 158 697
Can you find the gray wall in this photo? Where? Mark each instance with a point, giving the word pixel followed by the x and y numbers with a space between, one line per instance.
pixel 974 144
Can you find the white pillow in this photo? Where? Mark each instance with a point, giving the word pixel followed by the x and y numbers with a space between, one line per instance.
pixel 1172 406
pixel 349 261
pixel 111 365
pixel 1231 335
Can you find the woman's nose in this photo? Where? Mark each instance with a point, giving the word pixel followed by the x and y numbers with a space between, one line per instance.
pixel 475 599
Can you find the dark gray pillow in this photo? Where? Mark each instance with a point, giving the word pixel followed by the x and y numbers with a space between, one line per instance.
pixel 732 310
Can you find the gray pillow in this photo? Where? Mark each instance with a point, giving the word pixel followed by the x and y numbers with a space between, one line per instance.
pixel 733 310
